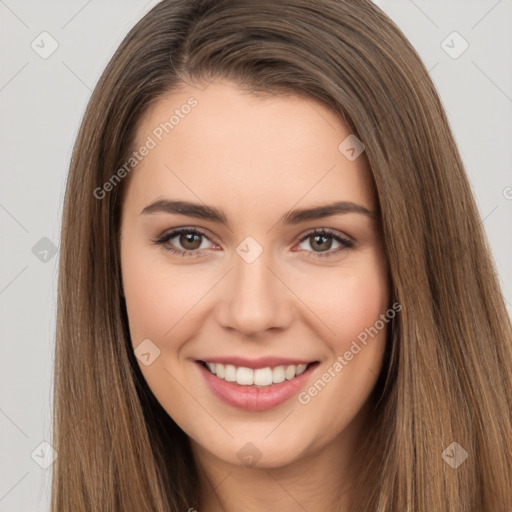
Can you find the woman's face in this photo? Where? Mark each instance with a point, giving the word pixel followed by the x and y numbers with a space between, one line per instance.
pixel 253 280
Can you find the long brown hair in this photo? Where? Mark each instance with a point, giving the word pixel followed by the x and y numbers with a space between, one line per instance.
pixel 446 377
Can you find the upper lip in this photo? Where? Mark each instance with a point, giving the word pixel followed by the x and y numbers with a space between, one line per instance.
pixel 260 362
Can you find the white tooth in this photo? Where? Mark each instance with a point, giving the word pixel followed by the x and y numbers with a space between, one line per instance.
pixel 278 374
pixel 220 370
pixel 244 376
pixel 289 373
pixel 260 377
pixel 301 368
pixel 230 373
pixel 263 377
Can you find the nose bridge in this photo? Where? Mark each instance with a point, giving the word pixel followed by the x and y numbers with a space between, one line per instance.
pixel 255 299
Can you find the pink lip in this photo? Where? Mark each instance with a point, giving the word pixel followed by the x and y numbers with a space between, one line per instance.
pixel 261 362
pixel 253 398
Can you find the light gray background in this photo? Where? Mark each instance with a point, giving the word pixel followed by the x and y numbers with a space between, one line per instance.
pixel 42 103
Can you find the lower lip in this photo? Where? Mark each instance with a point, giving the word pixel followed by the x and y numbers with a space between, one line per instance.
pixel 255 398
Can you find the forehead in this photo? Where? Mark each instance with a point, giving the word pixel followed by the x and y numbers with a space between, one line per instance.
pixel 249 152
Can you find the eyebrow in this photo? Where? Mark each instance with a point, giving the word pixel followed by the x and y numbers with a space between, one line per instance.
pixel 292 217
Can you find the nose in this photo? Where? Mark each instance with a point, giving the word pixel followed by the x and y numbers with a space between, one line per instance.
pixel 255 298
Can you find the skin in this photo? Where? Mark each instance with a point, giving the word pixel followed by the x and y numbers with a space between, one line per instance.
pixel 256 158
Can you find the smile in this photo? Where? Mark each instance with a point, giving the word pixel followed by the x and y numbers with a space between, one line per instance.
pixel 255 389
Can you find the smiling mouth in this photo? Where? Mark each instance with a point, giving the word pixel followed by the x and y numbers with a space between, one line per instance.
pixel 259 377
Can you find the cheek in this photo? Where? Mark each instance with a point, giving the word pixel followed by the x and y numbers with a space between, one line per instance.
pixel 351 307
pixel 157 299
pixel 357 305
pixel 346 300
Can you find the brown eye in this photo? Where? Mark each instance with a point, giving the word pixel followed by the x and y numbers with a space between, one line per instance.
pixel 191 241
pixel 183 241
pixel 321 242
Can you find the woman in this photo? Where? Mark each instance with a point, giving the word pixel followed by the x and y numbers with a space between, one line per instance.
pixel 334 338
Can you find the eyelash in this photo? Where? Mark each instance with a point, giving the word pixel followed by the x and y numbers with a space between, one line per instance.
pixel 345 242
